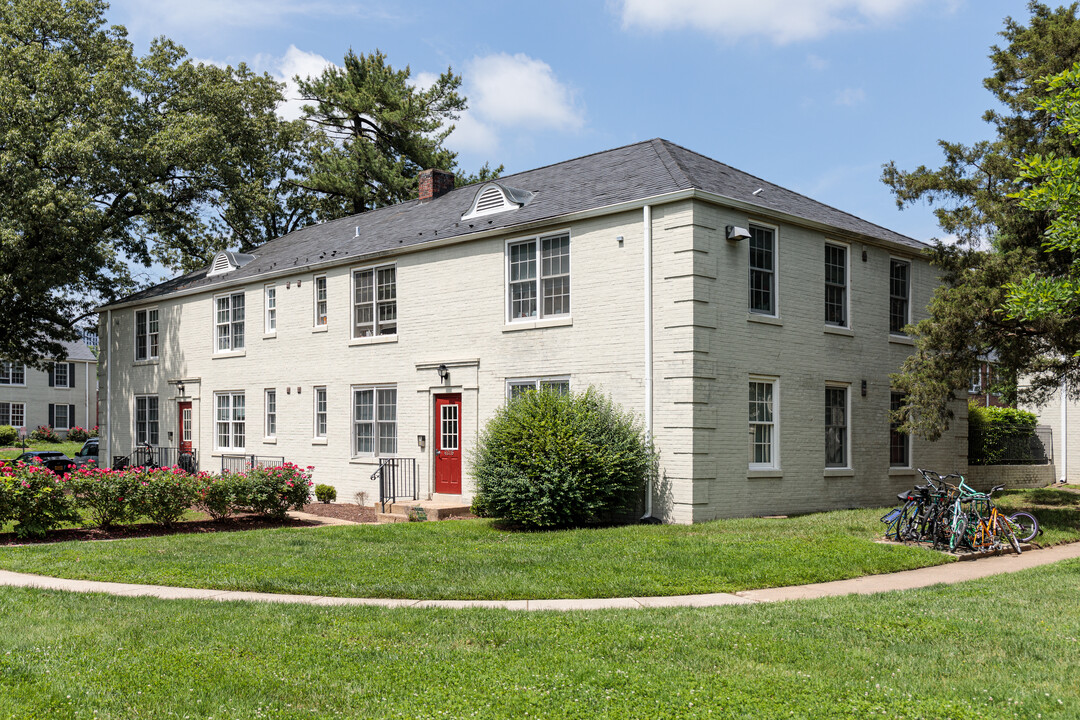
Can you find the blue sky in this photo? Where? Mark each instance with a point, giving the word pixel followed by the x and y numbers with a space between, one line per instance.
pixel 814 95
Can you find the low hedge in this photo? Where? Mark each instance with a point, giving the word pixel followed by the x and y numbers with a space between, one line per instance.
pixel 38 501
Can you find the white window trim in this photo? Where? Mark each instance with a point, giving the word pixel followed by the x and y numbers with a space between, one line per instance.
pixel 315 302
pixel 12 364
pixel 375 290
pixel 67 376
pixel 269 433
pixel 374 420
pixel 232 394
pixel 231 350
pixel 846 387
pixel 776 271
pixel 540 317
pixel 909 465
pixel 315 413
pixel 135 418
pixel 135 335
pixel 910 292
pixel 267 330
pixel 11 413
pixel 774 466
pixel 536 381
pixel 67 420
pixel 847 285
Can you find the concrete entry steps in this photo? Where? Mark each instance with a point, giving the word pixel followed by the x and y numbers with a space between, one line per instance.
pixel 906 580
pixel 422 509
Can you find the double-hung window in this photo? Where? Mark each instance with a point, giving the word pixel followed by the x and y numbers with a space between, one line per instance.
pixel 375 301
pixel 229 322
pixel 538 277
pixel 61 417
pixel 62 375
pixel 762 247
pixel 13 414
pixel 270 309
pixel 899 442
pixel 899 296
pixel 12 373
pixel 320 301
pixel 836 285
pixel 146 334
pixel 270 429
pixel 764 451
pixel 836 427
pixel 320 412
pixel 374 421
pixel 146 419
pixel 230 420
pixel 520 386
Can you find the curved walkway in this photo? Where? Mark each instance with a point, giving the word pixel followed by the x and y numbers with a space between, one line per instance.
pixel 906 580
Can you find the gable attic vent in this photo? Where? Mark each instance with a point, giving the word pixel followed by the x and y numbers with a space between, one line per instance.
pixel 495 198
pixel 226 261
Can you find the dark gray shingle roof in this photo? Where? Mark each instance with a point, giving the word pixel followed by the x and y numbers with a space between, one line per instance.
pixel 626 174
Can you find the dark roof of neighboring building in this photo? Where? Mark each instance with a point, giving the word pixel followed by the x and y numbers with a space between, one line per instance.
pixel 626 174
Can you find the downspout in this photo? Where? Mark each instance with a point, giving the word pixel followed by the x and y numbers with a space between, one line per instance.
pixel 108 393
pixel 647 263
pixel 1064 442
pixel 86 391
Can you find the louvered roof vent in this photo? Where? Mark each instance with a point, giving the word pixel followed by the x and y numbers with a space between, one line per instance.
pixel 494 198
pixel 226 261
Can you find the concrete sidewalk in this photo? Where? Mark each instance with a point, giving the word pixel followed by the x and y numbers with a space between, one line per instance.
pixel 906 580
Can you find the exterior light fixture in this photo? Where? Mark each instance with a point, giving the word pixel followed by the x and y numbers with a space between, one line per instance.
pixel 421 441
pixel 864 388
pixel 180 389
pixel 444 374
pixel 735 234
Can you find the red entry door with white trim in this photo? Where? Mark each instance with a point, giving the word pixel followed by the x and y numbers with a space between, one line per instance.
pixel 448 444
pixel 185 426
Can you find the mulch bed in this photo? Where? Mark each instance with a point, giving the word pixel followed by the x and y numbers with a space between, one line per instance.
pixel 139 530
pixel 342 511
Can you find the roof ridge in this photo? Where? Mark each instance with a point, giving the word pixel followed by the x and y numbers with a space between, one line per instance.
pixel 675 169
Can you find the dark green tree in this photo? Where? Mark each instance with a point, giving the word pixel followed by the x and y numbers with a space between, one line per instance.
pixel 999 241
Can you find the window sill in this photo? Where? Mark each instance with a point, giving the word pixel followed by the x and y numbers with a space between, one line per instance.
pixel 765 473
pixel 837 330
pixel 148 361
pixel 839 472
pixel 218 452
pixel 269 441
pixel 764 319
pixel 319 329
pixel 270 335
pixel 901 339
pixel 365 460
pixel 230 354
pixel 901 471
pixel 373 340
pixel 318 441
pixel 516 325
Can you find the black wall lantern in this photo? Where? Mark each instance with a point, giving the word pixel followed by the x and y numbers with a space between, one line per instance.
pixel 444 374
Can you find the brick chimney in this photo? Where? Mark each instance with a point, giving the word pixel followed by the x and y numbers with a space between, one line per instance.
pixel 434 183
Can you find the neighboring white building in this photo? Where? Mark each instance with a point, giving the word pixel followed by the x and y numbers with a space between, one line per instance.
pixel 63 396
pixel 751 328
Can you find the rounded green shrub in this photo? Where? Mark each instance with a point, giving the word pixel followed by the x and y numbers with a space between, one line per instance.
pixel 162 494
pixel 78 434
pixel 274 490
pixel 104 494
pixel 8 436
pixel 325 493
pixel 548 460
pixel 220 496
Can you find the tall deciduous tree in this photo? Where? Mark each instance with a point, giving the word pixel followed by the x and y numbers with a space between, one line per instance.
pixel 999 240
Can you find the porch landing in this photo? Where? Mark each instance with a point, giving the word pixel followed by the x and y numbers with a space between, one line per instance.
pixel 436 509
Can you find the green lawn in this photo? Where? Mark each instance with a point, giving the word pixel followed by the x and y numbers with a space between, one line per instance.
pixel 1003 647
pixel 466 559
pixel 68 448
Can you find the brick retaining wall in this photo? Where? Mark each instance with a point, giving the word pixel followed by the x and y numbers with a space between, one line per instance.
pixel 984 477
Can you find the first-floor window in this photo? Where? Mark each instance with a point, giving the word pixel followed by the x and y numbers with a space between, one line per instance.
pixel 763 441
pixel 271 413
pixel 61 416
pixel 146 419
pixel 899 442
pixel 320 412
pixel 230 420
pixel 375 421
pixel 12 373
pixel 13 414
pixel 836 427
pixel 520 386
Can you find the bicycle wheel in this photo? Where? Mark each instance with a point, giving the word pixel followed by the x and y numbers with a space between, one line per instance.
pixel 1004 531
pixel 1024 525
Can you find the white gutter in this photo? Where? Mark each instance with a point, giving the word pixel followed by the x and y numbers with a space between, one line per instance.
pixel 647 263
pixel 1064 442
pixel 108 395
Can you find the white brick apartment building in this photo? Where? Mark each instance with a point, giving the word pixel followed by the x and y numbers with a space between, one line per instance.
pixel 62 396
pixel 751 328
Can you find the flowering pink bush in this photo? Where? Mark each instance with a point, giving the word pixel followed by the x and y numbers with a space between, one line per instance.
pixel 273 490
pixel 44 433
pixel 34 498
pixel 162 494
pixel 104 494
pixel 220 496
pixel 78 434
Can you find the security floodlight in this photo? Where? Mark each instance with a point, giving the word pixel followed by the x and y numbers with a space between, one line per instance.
pixel 736 233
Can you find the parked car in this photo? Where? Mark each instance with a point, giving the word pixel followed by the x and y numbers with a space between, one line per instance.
pixel 53 460
pixel 87 455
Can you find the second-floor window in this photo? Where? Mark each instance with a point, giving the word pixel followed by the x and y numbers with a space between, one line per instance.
pixel 270 301
pixel 12 373
pixel 375 301
pixel 538 277
pixel 146 334
pixel 899 296
pixel 320 301
pixel 62 375
pixel 762 248
pixel 229 322
pixel 836 281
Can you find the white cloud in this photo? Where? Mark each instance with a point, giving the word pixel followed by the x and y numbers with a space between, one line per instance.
pixel 850 96
pixel 781 21
pixel 517 90
pixel 296 62
pixel 816 62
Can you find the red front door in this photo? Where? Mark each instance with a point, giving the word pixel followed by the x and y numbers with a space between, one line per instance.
pixel 185 426
pixel 448 444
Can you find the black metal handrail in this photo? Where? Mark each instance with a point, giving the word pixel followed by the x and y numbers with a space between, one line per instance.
pixel 243 463
pixel 397 480
pixel 152 456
